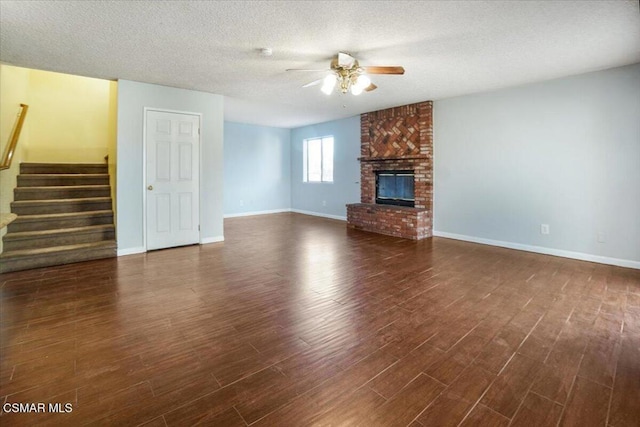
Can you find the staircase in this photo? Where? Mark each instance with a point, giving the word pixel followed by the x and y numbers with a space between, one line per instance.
pixel 64 216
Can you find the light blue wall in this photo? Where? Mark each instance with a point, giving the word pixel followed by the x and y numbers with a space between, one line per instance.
pixel 564 152
pixel 309 197
pixel 133 97
pixel 257 168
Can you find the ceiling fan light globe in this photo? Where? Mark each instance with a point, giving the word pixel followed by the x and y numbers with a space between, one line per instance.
pixel 328 84
pixel 356 90
pixel 330 80
pixel 326 89
pixel 363 82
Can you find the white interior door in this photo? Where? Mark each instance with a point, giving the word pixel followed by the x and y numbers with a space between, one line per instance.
pixel 172 181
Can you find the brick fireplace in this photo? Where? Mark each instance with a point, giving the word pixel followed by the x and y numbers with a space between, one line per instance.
pixel 397 139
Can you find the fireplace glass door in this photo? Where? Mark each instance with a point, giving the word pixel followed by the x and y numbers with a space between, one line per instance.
pixel 395 188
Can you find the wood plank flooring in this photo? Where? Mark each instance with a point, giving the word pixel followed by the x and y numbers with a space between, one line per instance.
pixel 296 321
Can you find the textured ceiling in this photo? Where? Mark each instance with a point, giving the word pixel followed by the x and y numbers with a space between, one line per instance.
pixel 447 48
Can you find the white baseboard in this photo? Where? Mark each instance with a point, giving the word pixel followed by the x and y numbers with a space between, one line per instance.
pixel 141 249
pixel 324 215
pixel 214 239
pixel 256 213
pixel 132 251
pixel 542 250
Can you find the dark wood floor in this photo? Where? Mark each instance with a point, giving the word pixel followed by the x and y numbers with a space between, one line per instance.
pixel 295 321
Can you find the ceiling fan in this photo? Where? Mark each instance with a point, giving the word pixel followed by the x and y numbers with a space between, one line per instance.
pixel 347 73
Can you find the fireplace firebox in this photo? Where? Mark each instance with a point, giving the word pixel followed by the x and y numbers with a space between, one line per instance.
pixel 395 188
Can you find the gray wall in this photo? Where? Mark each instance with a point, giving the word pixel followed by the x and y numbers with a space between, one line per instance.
pixel 564 152
pixel 132 98
pixel 308 197
pixel 257 169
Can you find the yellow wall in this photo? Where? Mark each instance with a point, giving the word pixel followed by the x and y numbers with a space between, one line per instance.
pixel 70 118
pixel 14 90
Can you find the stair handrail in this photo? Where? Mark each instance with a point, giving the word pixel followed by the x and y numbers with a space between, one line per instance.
pixel 13 139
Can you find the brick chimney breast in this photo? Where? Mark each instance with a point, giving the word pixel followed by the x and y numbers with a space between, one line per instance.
pixel 396 139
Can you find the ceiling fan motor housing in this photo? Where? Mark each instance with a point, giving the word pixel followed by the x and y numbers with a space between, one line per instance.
pixel 347 76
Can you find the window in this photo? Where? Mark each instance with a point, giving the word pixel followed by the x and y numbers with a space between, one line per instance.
pixel 318 159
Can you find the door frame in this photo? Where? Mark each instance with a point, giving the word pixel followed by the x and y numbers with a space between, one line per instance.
pixel 144 169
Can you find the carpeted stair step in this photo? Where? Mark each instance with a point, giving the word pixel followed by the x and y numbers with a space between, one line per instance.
pixel 36 207
pixel 59 237
pixel 57 255
pixel 63 220
pixel 58 179
pixel 61 192
pixel 63 168
pixel 64 216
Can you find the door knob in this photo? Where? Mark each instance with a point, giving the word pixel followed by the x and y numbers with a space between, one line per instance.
pixel 150 187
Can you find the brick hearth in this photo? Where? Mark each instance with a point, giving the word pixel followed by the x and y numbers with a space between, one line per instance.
pixel 399 138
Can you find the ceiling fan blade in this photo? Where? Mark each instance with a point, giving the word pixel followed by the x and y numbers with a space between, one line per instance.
pixel 345 60
pixel 313 83
pixel 307 69
pixel 384 70
pixel 370 88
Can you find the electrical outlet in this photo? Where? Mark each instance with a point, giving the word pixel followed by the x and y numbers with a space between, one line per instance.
pixel 241 202
pixel 602 237
pixel 324 203
pixel 544 228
